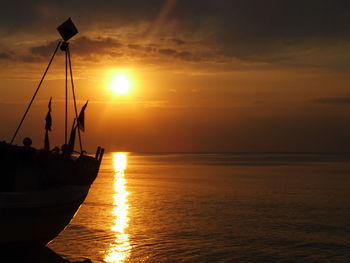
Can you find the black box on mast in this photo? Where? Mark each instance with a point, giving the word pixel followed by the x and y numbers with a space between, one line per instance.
pixel 67 30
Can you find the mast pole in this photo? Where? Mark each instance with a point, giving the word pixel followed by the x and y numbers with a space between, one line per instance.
pixel 66 108
pixel 35 93
pixel 75 104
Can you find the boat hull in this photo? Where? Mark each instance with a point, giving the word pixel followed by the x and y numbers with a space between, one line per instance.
pixel 35 218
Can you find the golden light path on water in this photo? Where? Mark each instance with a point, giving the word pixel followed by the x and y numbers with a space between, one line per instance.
pixel 119 250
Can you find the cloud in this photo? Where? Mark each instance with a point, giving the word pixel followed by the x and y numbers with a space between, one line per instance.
pixel 168 51
pixel 145 48
pixel 43 50
pixel 134 46
pixel 178 41
pixel 334 100
pixel 90 49
pixel 5 55
pixel 83 47
pixel 271 31
pixel 182 55
pixel 177 54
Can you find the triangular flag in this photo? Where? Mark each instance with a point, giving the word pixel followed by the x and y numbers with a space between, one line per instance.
pixel 48 118
pixel 81 118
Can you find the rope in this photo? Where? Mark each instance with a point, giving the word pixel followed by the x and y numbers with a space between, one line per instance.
pixel 35 93
pixel 75 105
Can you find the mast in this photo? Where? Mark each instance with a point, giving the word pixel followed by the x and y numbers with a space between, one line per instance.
pixel 75 104
pixel 66 106
pixel 67 30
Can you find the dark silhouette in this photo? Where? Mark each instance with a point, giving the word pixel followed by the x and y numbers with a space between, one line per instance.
pixel 34 255
pixel 41 190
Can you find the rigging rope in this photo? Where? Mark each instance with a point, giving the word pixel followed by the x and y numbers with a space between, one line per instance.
pixel 35 93
pixel 75 104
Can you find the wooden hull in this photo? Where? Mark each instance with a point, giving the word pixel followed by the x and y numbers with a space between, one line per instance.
pixel 35 218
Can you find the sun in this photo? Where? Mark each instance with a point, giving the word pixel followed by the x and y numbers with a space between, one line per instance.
pixel 120 84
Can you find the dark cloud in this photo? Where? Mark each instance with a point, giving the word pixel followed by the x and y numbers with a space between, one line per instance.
pixel 29 58
pixel 146 48
pixel 5 55
pixel 183 55
pixel 272 31
pixel 19 15
pixel 245 18
pixel 135 46
pixel 178 41
pixel 167 51
pixel 83 46
pixel 44 50
pixel 334 100
pixel 88 48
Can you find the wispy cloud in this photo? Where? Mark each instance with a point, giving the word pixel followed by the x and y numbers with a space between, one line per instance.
pixel 5 55
pixel 178 41
pixel 83 46
pixel 292 33
pixel 334 100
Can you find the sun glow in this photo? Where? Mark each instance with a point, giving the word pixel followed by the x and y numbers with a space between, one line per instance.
pixel 120 84
pixel 119 250
pixel 119 162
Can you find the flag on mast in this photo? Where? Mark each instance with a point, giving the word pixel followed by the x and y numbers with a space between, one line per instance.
pixel 67 30
pixel 81 118
pixel 48 124
pixel 48 118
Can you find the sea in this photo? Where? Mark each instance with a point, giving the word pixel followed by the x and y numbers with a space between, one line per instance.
pixel 214 207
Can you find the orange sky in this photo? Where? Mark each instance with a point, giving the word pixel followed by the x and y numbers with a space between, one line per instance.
pixel 202 79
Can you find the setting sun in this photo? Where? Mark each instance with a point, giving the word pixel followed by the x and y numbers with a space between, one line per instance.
pixel 120 84
pixel 175 131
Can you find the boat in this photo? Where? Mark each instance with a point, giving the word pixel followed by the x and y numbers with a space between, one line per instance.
pixel 42 189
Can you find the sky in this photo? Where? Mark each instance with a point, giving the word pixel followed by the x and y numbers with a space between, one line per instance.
pixel 223 76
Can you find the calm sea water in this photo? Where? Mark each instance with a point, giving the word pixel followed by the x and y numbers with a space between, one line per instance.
pixel 214 208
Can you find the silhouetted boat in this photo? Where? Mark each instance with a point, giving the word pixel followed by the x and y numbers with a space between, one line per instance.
pixel 42 189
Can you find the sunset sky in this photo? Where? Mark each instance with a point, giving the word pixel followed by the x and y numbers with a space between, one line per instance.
pixel 240 75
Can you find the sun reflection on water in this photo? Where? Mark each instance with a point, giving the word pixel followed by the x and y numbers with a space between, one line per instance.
pixel 120 249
